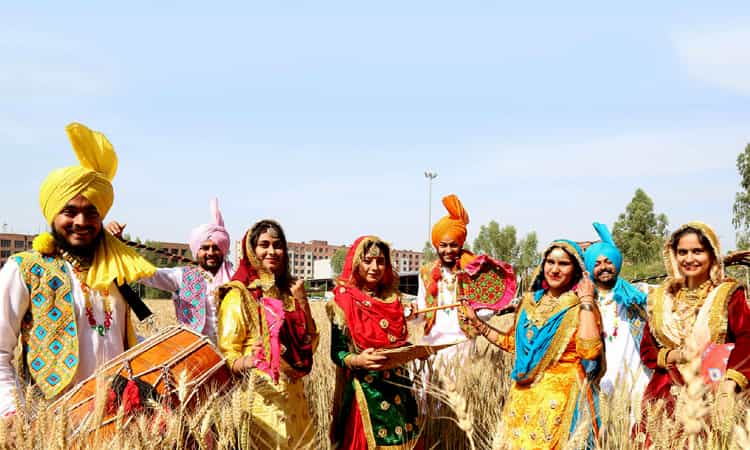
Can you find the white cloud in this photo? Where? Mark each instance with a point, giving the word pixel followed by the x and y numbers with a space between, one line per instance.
pixel 719 57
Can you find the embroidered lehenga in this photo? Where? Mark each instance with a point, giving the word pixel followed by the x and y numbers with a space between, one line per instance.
pixel 373 409
pixel 714 313
pixel 552 388
pixel 259 320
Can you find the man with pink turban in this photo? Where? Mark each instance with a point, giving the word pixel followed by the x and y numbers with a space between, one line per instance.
pixel 193 287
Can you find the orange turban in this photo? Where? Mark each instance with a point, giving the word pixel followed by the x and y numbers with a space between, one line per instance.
pixel 454 224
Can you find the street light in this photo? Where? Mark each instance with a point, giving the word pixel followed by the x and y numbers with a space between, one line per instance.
pixel 430 175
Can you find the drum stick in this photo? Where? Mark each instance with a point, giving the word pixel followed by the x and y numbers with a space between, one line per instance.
pixel 436 308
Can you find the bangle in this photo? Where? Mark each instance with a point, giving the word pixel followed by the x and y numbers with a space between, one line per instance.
pixel 348 360
pixel 587 306
pixel 586 296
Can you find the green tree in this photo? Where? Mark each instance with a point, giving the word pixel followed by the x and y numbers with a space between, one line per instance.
pixel 500 243
pixel 639 232
pixel 157 260
pixel 428 253
pixel 741 208
pixel 337 260
pixel 528 257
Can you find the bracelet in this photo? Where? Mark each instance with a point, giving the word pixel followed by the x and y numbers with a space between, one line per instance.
pixel 586 296
pixel 587 306
pixel 484 329
pixel 348 360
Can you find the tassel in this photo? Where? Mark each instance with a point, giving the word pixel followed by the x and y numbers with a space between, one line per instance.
pixel 131 398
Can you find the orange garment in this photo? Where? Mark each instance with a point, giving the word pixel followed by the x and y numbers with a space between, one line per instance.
pixel 454 224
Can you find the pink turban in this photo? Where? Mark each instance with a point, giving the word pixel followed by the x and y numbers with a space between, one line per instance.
pixel 216 232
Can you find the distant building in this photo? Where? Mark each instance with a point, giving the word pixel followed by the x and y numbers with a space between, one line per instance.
pixel 175 248
pixel 322 269
pixel 11 243
pixel 308 260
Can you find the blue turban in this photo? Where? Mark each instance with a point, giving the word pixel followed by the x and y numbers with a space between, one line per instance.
pixel 625 294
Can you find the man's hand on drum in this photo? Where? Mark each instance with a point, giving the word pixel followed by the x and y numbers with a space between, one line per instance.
pixel 367 360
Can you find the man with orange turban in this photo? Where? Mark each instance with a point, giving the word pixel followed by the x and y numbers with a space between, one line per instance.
pixel 67 298
pixel 438 285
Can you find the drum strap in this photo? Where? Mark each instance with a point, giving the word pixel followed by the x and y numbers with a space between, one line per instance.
pixel 135 302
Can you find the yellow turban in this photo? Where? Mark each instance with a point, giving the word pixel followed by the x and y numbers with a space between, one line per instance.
pixel 113 260
pixel 454 224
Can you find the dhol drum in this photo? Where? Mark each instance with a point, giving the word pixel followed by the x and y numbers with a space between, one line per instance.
pixel 150 370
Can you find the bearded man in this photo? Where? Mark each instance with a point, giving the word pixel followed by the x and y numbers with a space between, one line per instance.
pixel 68 299
pixel 193 287
pixel 622 308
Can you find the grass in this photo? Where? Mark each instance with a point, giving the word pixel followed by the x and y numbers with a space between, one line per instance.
pixel 463 411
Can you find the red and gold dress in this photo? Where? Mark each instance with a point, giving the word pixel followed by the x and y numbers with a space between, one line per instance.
pixel 714 313
pixel 372 409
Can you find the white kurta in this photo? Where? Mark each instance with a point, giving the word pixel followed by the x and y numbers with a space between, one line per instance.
pixel 93 350
pixel 624 367
pixel 170 279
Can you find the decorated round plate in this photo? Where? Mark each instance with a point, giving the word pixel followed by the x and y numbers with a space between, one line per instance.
pixel 487 283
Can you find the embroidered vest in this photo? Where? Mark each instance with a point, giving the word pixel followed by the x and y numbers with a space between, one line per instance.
pixel 48 331
pixel 190 304
pixel 430 301
pixel 426 274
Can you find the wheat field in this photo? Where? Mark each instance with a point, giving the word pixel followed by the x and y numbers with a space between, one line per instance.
pixel 462 412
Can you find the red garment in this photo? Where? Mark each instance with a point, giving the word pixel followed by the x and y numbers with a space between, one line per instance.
pixel 662 380
pixel 293 335
pixel 383 326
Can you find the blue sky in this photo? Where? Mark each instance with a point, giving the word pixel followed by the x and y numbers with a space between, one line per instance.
pixel 324 115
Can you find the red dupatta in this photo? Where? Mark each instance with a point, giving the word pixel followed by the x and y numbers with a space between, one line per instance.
pixel 373 321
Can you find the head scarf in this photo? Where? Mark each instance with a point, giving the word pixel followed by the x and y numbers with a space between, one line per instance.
pixel 216 232
pixel 373 321
pixel 716 273
pixel 454 224
pixel 538 284
pixel 354 257
pixel 624 293
pixel 113 260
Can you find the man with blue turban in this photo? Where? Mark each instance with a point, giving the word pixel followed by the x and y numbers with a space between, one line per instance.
pixel 622 308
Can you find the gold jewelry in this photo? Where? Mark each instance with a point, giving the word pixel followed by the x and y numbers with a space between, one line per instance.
pixel 586 306
pixel 374 251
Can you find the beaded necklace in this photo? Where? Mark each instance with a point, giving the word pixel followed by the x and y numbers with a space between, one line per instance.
pixel 616 324
pixel 80 269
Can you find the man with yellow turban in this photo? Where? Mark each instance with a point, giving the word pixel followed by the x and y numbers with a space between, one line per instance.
pixel 63 298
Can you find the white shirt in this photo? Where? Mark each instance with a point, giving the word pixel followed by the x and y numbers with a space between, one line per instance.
pixel 447 328
pixel 170 279
pixel 624 365
pixel 93 350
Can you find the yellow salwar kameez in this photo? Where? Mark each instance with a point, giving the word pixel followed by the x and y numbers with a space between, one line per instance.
pixel 554 370
pixel 259 320
pixel 539 415
pixel 280 412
